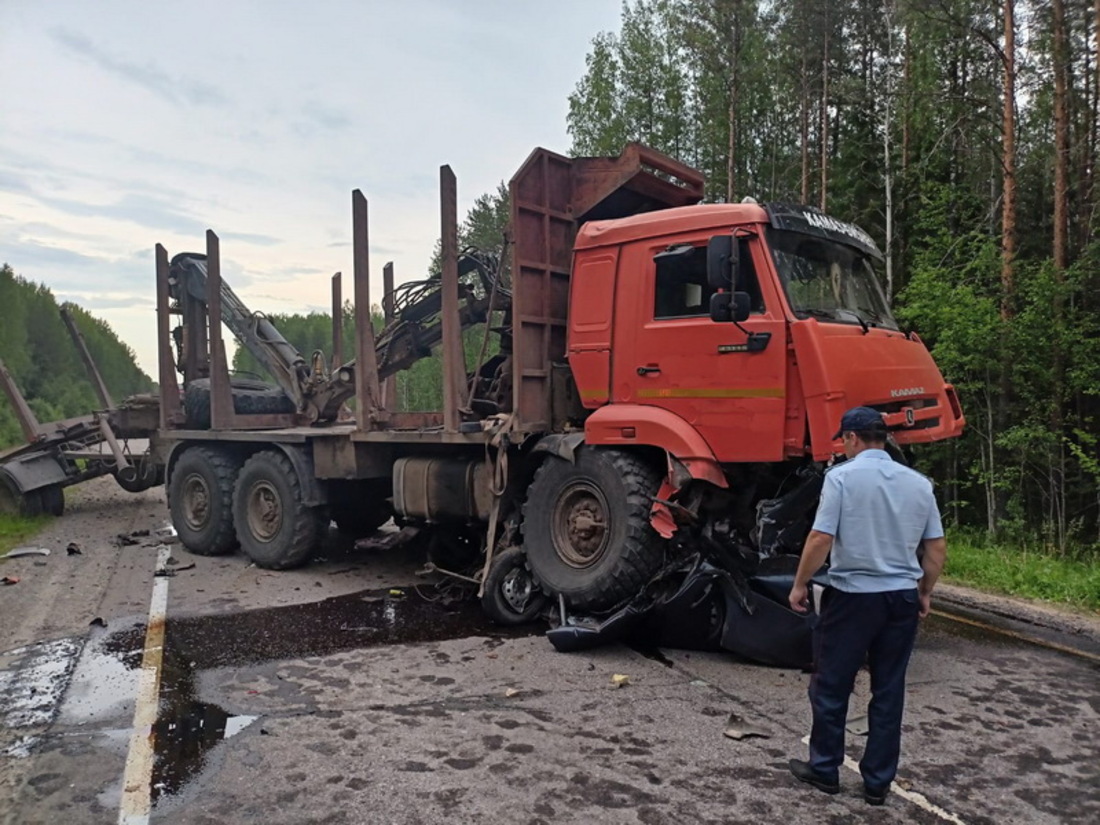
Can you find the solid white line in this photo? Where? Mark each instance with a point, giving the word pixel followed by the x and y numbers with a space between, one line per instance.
pixel 918 799
pixel 137 778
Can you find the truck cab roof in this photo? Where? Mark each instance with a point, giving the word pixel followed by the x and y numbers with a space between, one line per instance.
pixel 666 222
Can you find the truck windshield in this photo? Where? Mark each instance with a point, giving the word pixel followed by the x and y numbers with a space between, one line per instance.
pixel 828 280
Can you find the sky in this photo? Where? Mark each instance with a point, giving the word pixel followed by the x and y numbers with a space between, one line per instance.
pixel 126 124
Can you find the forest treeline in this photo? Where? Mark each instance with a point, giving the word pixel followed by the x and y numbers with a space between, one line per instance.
pixel 964 136
pixel 37 350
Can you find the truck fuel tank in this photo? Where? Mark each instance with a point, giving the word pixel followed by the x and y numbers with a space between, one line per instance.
pixel 442 489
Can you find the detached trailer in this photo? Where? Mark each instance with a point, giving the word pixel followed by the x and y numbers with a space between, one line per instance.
pixel 60 454
pixel 664 373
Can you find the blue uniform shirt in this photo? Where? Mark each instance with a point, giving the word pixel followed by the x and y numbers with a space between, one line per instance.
pixel 877 511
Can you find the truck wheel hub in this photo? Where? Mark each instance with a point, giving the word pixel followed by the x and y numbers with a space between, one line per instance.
pixel 580 525
pixel 517 589
pixel 196 500
pixel 265 513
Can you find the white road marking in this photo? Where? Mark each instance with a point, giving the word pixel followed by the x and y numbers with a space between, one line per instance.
pixel 137 778
pixel 918 799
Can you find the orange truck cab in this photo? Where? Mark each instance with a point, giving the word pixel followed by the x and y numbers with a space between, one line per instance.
pixel 739 333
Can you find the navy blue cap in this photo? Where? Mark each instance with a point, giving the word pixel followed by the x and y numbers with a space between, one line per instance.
pixel 861 420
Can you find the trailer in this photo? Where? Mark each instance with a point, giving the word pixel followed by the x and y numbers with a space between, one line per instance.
pixel 113 440
pixel 662 374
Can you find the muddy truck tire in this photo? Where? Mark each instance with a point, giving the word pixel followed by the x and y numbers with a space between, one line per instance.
pixel 276 529
pixel 200 500
pixel 249 398
pixel 586 528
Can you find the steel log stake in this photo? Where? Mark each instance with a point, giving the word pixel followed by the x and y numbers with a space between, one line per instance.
pixel 454 361
pixel 32 430
pixel 389 384
pixel 337 323
pixel 86 357
pixel 221 394
pixel 121 462
pixel 369 409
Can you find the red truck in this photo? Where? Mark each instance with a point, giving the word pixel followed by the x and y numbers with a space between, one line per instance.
pixel 656 370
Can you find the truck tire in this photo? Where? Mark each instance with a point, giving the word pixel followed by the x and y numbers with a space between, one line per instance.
pixel 15 503
pixel 200 500
pixel 249 398
pixel 275 528
pixel 52 499
pixel 511 595
pixel 586 528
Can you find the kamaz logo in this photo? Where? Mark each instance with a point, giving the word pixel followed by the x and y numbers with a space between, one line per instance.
pixel 907 392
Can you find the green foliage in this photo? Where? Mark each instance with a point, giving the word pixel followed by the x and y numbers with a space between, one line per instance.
pixel 1021 570
pixel 37 350
pixel 832 100
pixel 16 530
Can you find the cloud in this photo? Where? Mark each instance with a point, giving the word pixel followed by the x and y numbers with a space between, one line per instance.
pixel 326 116
pixel 143 210
pixel 147 76
pixel 101 301
pixel 11 182
pixel 248 237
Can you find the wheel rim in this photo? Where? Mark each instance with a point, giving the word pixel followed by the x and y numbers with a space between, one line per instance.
pixel 579 526
pixel 517 588
pixel 196 501
pixel 265 511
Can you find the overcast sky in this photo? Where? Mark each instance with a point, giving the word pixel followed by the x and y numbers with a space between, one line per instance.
pixel 130 123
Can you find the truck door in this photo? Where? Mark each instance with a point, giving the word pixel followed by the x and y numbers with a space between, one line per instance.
pixel 697 368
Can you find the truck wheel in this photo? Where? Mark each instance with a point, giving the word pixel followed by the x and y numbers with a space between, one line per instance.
pixel 200 500
pixel 586 527
pixel 511 595
pixel 249 398
pixel 52 499
pixel 275 528
pixel 15 503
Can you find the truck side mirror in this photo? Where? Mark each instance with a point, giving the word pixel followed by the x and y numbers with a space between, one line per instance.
pixel 722 254
pixel 730 307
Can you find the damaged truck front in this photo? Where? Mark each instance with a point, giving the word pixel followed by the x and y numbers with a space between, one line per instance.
pixel 648 429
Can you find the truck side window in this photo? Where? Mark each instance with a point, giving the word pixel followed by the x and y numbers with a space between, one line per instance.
pixel 682 290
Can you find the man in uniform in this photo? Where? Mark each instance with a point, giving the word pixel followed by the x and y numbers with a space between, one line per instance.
pixel 873 515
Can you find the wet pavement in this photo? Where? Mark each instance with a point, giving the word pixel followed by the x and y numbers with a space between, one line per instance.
pixel 353 691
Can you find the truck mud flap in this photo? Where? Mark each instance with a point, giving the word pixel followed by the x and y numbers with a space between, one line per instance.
pixel 702 607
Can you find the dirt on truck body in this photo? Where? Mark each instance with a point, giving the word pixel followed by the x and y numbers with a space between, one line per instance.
pixel 644 434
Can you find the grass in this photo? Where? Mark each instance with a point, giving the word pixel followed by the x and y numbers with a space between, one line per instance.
pixel 16 530
pixel 1020 571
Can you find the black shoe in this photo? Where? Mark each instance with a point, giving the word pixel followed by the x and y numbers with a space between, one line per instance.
pixel 874 796
pixel 804 773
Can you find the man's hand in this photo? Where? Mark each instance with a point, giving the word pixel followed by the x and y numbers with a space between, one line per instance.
pixel 925 604
pixel 799 598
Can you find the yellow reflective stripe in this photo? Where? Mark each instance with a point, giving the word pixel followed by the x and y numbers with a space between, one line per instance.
pixel 713 392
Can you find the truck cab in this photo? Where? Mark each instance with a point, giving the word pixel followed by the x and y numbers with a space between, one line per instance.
pixel 659 358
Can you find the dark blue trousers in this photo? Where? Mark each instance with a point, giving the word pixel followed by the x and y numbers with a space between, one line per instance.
pixel 878 628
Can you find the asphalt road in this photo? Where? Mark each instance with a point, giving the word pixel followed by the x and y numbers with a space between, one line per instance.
pixel 354 691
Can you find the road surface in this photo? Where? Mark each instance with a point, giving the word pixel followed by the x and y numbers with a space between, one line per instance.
pixel 354 691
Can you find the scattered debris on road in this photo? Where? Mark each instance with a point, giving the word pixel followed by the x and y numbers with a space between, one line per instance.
pixel 73 549
pixel 26 551
pixel 737 728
